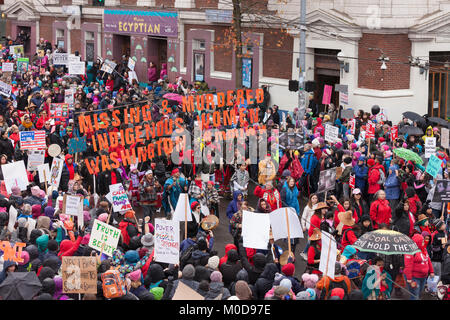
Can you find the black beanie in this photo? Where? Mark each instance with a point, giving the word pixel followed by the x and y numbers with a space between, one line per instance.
pixel 52 245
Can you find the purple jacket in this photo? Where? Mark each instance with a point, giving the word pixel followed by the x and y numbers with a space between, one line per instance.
pixel 152 74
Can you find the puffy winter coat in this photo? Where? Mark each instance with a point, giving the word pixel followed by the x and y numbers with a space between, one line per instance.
pixel 360 176
pixel 392 186
pixel 289 196
pixel 418 265
pixel 380 212
pixel 374 176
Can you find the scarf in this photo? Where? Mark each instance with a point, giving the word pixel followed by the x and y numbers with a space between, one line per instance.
pixel 27 124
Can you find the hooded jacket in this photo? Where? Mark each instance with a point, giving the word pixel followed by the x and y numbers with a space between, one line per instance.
pixel 418 265
pixel 392 185
pixel 402 220
pixel 228 247
pixel 67 248
pixel 290 197
pixel 360 176
pixel 380 212
pixel 272 196
pixel 230 268
pixel 255 271
pixel 4 273
pixel 265 280
pixel 215 289
pixel 234 205
pixel 373 177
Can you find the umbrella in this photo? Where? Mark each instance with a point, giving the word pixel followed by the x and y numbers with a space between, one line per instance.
pixel 413 116
pixel 439 121
pixel 386 242
pixel 20 286
pixel 408 155
pixel 411 131
pixel 173 96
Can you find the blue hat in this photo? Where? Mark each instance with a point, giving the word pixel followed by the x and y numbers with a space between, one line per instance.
pixel 55 194
pixel 349 251
pixel 362 158
pixel 19 201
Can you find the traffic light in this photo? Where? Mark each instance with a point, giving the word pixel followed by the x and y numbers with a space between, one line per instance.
pixel 310 86
pixel 293 85
pixel 98 3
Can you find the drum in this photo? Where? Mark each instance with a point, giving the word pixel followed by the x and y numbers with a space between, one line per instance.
pixel 210 222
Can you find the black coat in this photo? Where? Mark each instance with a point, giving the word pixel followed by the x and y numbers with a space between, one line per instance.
pixel 229 271
pixel 6 147
pixel 265 281
pixel 254 271
pixel 400 221
pixel 104 181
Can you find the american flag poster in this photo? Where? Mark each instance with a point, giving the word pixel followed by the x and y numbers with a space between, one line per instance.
pixel 32 140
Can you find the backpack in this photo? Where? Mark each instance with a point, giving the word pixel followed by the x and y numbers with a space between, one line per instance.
pixel 112 284
pixel 382 178
pixel 186 255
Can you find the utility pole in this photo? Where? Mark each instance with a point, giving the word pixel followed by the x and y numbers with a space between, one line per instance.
pixel 302 61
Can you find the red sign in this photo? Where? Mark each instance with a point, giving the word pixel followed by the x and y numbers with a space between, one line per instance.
pixel 352 126
pixel 394 133
pixel 370 130
pixel 351 182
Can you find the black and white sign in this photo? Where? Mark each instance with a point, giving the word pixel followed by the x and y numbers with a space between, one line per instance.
pixel 442 191
pixel 5 89
pixel 327 180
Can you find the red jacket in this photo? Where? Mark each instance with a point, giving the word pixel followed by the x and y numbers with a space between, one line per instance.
pixel 314 223
pixel 341 209
pixel 414 204
pixel 348 237
pixel 380 212
pixel 67 248
pixel 373 177
pixel 272 196
pixel 228 247
pixel 418 265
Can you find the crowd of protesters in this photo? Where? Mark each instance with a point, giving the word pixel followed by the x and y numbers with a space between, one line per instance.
pixel 389 193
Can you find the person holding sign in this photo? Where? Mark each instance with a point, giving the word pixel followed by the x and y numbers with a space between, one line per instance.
pixel 173 187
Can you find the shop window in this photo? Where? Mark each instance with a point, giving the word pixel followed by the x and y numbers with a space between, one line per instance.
pixel 247 50
pixel 198 45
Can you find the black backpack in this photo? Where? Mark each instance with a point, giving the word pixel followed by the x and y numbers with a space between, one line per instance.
pixel 185 257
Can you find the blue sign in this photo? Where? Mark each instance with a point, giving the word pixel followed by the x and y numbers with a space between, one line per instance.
pixel 247 72
pixel 434 166
pixel 77 145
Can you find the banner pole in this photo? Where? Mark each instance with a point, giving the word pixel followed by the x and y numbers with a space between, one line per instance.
pixel 45 181
pixel 185 217
pixel 288 231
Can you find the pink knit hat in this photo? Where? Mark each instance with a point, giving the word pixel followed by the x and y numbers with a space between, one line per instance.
pixel 86 216
pixel 42 194
pixel 385 147
pixel 103 217
pixel 86 238
pixel 35 191
pixel 135 275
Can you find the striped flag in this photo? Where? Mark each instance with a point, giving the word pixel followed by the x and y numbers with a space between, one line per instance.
pixel 32 140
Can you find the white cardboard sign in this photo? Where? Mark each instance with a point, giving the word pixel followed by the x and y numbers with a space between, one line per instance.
pixel 167 241
pixel 255 229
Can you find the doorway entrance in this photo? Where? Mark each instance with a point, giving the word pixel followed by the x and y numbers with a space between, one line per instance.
pixel 439 85
pixel 157 52
pixel 24 35
pixel 326 72
pixel 121 46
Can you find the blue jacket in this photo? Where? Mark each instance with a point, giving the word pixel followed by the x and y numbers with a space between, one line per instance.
pixel 309 161
pixel 360 176
pixel 392 185
pixel 289 196
pixel 233 206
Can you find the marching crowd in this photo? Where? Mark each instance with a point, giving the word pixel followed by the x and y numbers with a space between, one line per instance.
pixel 376 189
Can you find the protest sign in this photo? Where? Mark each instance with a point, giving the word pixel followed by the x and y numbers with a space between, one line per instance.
pixel 60 58
pixel 17 51
pixel 131 63
pixel 328 255
pixel 7 67
pixel 12 218
pixel 41 169
pixel 331 133
pixel 77 144
pixel 343 98
pixel 35 159
pixel 444 138
pixel 370 128
pixel 327 90
pixel 290 140
pixel 5 89
pixel 280 227
pixel 347 114
pixel 59 110
pixel 352 126
pixel 108 66
pixel 73 58
pixel 32 140
pixel 77 68
pixel 54 150
pixel 183 207
pixel 351 182
pixel 442 191
pixel 79 275
pixel 394 133
pixel 167 241
pixel 68 96
pixel 341 88
pixel 255 229
pixel 430 146
pixel 120 200
pixel 71 205
pixel 15 174
pixel 41 53
pixel 183 292
pixel 434 166
pixel 22 65
pixel 56 171
pixel 31 226
pixel 327 180
pixel 132 75
pixel 11 251
pixel 104 235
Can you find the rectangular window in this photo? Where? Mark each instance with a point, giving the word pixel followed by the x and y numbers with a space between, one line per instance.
pixel 247 64
pixel 89 36
pixel 199 66
pixel 59 33
pixel 90 51
pixel 198 45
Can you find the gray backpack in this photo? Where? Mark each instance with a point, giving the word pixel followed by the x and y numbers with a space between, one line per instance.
pixel 382 178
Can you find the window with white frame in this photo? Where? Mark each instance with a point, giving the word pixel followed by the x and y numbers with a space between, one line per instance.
pixel 198 45
pixel 89 36
pixel 59 33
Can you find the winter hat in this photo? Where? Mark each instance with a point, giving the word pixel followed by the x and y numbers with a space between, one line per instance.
pixel 288 269
pixel 370 162
pixel 36 211
pixel 349 251
pixel 22 222
pixel 286 173
pixel 310 280
pixel 131 257
pixel 194 205
pixel 303 295
pixel 135 275
pixel 147 240
pixel 48 286
pixel 188 272
pixel 26 258
pixel 35 191
pixel 86 239
pixel 43 222
pixel 338 292
pixel 381 139
pixel 157 292
pixel 216 276
pixel 49 211
pixel 356 294
pixel 286 283
pixel 213 262
pixel 357 154
pixel 385 147
pixel 338 145
pixel 130 214
pixel 281 291
pixel 15 190
pixel 388 154
pixel 55 194
pixel 103 217
pixel 86 216
pixel 353 146
pixel 175 171
pixel 42 194
pixel 52 245
pixel 312 293
pixel 438 223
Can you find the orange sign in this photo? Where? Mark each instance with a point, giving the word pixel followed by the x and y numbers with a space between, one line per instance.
pixel 10 252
